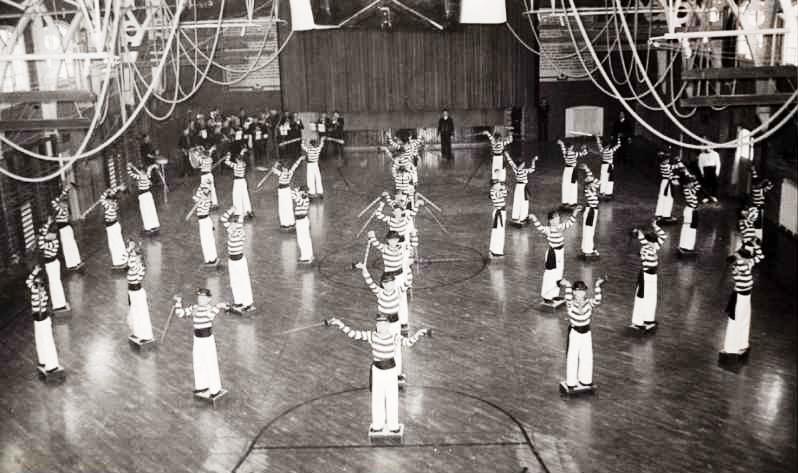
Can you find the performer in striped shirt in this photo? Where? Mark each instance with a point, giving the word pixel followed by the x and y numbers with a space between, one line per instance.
pixel 521 196
pixel 389 295
pixel 606 176
pixel 301 207
pixel 149 215
pixel 284 201
pixel 590 219
pixel 746 232
pixel 666 182
pixel 384 385
pixel 313 174
pixel 48 245
pixel 498 199
pixel 402 160
pixel 138 316
pixel 241 200
pixel 405 179
pixel 204 357
pixel 414 144
pixel 570 186
pixel 202 198
pixel 401 221
pixel 46 353
pixel 555 254
pixel 690 190
pixel 738 326
pixel 206 174
pixel 238 269
pixel 395 264
pixel 645 307
pixel 759 188
pixel 109 200
pixel 497 146
pixel 69 246
pixel 579 354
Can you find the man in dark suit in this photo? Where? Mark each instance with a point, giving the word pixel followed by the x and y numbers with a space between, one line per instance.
pixel 336 130
pixel 446 131
pixel 622 132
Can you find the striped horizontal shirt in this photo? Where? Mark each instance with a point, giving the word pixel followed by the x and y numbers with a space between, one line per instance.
pixel 403 181
pixel 38 295
pixel 522 174
pixel 110 208
pixel 143 180
pixel 591 190
pixel 400 225
pixel 285 176
pixel 384 346
pixel 203 204
pixel 414 146
pixel 665 170
pixel 206 163
pixel 570 155
pixel 388 302
pixel 301 204
pixel 239 167
pixel 497 145
pixel 313 153
pixel 746 229
pixel 498 197
pixel 135 271
pixel 49 248
pixel 392 257
pixel 235 235
pixel 758 192
pixel 61 211
pixel 743 276
pixel 649 250
pixel 608 153
pixel 579 314
pixel 202 315
pixel 402 160
pixel 554 233
pixel 690 192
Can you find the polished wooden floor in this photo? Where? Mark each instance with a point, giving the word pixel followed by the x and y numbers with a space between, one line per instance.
pixel 482 394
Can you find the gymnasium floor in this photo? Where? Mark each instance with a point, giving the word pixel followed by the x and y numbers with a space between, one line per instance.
pixel 482 394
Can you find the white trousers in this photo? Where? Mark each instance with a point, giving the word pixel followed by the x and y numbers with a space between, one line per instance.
pixel 520 210
pixel 206 365
pixel 760 223
pixel 241 200
pixel 149 216
pixel 303 239
pixel 664 202
pixel 45 343
pixel 497 170
pixel 589 231
pixel 606 186
pixel 739 328
pixel 239 281
pixel 69 246
pixel 54 284
pixel 384 398
pixel 396 329
pixel 687 235
pixel 285 207
pixel 207 239
pixel 645 308
pixel 579 358
pixel 138 316
pixel 207 178
pixel 314 179
pixel 116 245
pixel 498 222
pixel 550 289
pixel 569 189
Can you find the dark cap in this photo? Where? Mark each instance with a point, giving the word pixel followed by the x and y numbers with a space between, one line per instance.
pixel 201 291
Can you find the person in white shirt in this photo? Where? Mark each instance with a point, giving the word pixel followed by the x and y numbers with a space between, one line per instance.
pixel 709 165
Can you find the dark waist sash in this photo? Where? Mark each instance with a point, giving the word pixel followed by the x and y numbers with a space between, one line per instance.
pixel 395 272
pixel 758 221
pixel 200 217
pixel 497 217
pixel 299 216
pixel 134 287
pixel 50 259
pixel 282 186
pixel 207 173
pixel 611 173
pixel 40 316
pixel 236 257
pixel 202 332
pixel 236 177
pixel 551 258
pixel 641 282
pixel 392 318
pixel 142 192
pixel 110 223
pixel 573 174
pixel 62 225
pixel 581 329
pixel 591 217
pixel 384 364
pixel 731 306
pixel 667 191
pixel 694 219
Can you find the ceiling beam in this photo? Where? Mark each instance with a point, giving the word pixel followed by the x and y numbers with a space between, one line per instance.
pixel 32 96
pixel 761 72
pixel 38 125
pixel 741 100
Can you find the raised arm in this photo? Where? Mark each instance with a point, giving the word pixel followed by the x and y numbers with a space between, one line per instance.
pixel 379 215
pixel 227 161
pixel 296 164
pixel 572 219
pixel 225 218
pixel 510 161
pixel 597 291
pixel 411 340
pixel 370 282
pixel 360 335
pixel 32 276
pixel 569 292
pixel 374 242
pixel 539 226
